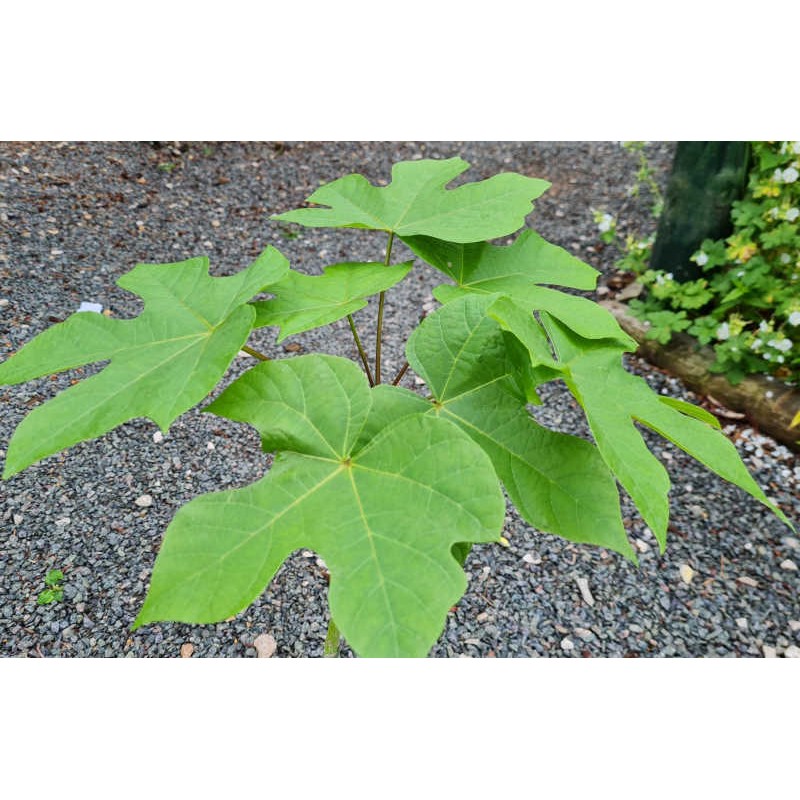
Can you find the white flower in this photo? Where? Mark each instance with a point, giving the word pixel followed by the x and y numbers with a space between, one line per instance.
pixel 756 344
pixel 796 147
pixel 794 318
pixel 763 326
pixel 604 224
pixel 784 345
pixel 740 273
pixel 790 175
pixel 668 276
pixel 785 258
pixel 724 331
pixel 774 211
pixel 792 214
pixel 779 359
pixel 701 259
pixel 777 175
pixel 767 357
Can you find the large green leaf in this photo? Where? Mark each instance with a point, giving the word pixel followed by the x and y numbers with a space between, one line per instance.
pixel 303 302
pixel 383 511
pixel 559 483
pixel 162 362
pixel 416 202
pixel 490 268
pixel 613 399
pixel 517 271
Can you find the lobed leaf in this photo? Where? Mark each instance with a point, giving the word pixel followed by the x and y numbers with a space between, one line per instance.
pixel 161 363
pixel 613 399
pixel 481 266
pixel 416 202
pixel 559 483
pixel 517 271
pixel 303 302
pixel 380 510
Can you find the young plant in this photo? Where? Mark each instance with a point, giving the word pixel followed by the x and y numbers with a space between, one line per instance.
pixel 391 488
pixel 54 593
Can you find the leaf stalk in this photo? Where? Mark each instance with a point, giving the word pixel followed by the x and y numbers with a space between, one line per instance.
pixel 360 348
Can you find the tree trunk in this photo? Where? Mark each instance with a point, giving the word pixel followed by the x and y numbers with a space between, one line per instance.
pixel 706 178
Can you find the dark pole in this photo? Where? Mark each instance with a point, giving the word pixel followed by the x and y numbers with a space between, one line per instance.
pixel 706 178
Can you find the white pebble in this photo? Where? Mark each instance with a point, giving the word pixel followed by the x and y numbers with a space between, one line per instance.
pixel 641 546
pixel 583 586
pixel 769 652
pixel 145 501
pixel 687 573
pixel 63 522
pixel 529 558
pixel 741 623
pixel 158 437
pixel 18 519
pixel 210 446
pixel 792 651
pixel 265 645
pixel 794 624
pixel 789 564
pixel 567 644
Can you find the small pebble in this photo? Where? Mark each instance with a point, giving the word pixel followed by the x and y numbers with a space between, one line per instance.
pixel 641 546
pixel 792 651
pixel 529 558
pixel 794 624
pixel 158 437
pixel 769 652
pixel 687 573
pixel 747 581
pixel 145 501
pixel 63 522
pixel 187 648
pixel 789 564
pixel 583 586
pixel 741 623
pixel 567 644
pixel 265 645
pixel 790 541
pixel 18 519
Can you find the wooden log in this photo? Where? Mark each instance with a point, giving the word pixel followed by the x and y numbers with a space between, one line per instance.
pixel 770 406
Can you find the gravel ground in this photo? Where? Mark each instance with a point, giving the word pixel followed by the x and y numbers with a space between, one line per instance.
pixel 74 217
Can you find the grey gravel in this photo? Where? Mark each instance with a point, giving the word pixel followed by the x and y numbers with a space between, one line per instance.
pixel 76 216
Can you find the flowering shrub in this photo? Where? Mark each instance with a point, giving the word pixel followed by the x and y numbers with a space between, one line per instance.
pixel 747 305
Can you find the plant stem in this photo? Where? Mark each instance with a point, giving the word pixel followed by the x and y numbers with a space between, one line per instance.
pixel 331 646
pixel 381 301
pixel 398 377
pixel 254 353
pixel 364 359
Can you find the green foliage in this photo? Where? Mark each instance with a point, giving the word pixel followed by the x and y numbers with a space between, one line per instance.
pixel 162 363
pixel 54 593
pixel 303 302
pixel 417 203
pixel 747 307
pixel 392 488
